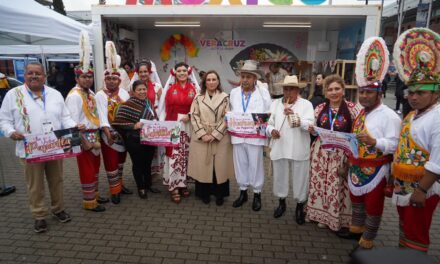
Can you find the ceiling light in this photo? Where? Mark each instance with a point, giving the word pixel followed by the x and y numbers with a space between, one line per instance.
pixel 177 24
pixel 287 24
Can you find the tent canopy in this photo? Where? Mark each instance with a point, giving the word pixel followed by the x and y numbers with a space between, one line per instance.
pixel 28 22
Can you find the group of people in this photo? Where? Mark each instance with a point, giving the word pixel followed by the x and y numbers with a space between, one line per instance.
pixel 331 188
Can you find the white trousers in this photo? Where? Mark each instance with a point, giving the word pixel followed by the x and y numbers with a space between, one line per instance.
pixel 248 166
pixel 298 171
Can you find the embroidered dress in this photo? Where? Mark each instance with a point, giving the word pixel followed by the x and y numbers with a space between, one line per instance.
pixel 178 101
pixel 329 198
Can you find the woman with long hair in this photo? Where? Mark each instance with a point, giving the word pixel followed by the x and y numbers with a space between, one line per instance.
pixel 210 150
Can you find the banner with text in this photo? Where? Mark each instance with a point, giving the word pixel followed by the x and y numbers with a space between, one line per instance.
pixel 160 133
pixel 334 139
pixel 247 125
pixel 59 144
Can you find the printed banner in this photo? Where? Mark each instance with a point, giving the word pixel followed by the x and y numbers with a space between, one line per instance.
pixel 247 125
pixel 59 144
pixel 334 139
pixel 160 133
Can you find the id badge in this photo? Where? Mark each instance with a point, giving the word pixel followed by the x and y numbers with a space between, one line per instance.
pixel 47 126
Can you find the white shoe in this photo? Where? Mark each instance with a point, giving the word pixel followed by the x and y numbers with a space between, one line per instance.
pixel 321 225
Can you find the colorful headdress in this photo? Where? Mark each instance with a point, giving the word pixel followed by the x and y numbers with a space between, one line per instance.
pixel 372 64
pixel 84 55
pixel 417 58
pixel 112 60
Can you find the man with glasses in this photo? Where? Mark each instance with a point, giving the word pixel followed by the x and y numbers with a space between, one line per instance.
pixel 34 108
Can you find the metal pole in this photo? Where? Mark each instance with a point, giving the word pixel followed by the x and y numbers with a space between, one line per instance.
pixel 381 12
pixel 429 14
pixel 4 190
pixel 400 16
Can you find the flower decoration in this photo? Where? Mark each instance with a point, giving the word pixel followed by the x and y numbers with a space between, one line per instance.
pixel 190 47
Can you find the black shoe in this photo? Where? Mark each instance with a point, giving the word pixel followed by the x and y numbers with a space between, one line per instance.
pixel 40 226
pixel 116 198
pixel 206 200
pixel 99 208
pixel 125 190
pixel 256 204
pixel 241 199
pixel 142 193
pixel 279 211
pixel 346 234
pixel 153 190
pixel 300 216
pixel 219 201
pixel 62 217
pixel 102 200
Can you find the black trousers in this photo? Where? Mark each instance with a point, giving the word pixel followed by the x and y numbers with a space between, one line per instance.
pixel 141 158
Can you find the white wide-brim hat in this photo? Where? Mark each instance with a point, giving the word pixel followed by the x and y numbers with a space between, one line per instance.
pixel 292 81
pixel 250 66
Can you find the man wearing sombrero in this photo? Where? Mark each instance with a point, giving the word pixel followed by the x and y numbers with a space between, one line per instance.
pixel 377 130
pixel 288 126
pixel 416 165
pixel 248 152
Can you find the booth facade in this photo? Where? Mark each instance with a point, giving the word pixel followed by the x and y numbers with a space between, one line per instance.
pixel 311 38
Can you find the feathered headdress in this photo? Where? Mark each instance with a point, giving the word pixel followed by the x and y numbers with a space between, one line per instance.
pixel 112 59
pixel 417 59
pixel 372 63
pixel 84 55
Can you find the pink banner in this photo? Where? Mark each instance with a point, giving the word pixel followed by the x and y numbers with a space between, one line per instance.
pixel 160 133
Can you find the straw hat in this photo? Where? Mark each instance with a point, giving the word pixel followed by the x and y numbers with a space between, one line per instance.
pixel 250 66
pixel 292 80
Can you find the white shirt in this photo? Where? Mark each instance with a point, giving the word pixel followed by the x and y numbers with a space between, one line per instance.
pixel 384 125
pixel 102 103
pixel 294 143
pixel 53 110
pixel 74 103
pixel 259 103
pixel 425 131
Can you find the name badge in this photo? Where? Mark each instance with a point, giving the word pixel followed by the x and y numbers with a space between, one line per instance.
pixel 47 126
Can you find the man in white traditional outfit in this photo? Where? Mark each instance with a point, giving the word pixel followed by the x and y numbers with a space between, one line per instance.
pixel 34 108
pixel 288 126
pixel 82 107
pixel 248 152
pixel 112 145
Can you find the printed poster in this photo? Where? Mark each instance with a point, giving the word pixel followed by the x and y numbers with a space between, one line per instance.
pixel 334 139
pixel 160 133
pixel 247 125
pixel 59 144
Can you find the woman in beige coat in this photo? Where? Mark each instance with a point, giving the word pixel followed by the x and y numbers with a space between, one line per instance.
pixel 210 150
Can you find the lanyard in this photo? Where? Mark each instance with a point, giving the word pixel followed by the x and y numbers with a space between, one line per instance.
pixel 43 97
pixel 247 103
pixel 332 121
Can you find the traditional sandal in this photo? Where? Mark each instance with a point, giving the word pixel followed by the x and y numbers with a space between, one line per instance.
pixel 185 192
pixel 175 196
